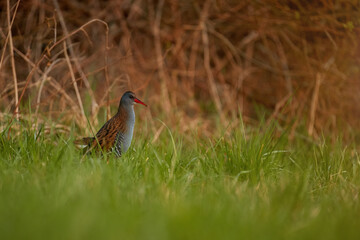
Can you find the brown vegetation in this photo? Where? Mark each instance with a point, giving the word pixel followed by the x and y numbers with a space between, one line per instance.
pixel 190 60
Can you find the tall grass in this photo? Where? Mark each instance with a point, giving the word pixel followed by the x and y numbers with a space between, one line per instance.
pixel 243 184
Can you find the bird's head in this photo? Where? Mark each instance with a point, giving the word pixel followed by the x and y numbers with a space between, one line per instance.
pixel 129 99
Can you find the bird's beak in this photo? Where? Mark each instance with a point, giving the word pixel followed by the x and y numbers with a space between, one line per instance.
pixel 139 101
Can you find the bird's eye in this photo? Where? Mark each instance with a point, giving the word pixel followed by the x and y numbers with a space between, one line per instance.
pixel 131 96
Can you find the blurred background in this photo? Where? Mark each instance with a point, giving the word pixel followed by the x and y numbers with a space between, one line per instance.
pixel 197 64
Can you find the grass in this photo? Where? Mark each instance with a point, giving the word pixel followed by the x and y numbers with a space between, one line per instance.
pixel 243 185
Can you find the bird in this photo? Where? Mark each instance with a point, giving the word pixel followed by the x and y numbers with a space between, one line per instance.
pixel 116 134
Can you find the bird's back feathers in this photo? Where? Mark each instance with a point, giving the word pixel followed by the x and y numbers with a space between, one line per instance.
pixel 106 137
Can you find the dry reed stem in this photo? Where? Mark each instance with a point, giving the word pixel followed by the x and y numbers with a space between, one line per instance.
pixel 159 57
pixel 192 61
pixel 9 89
pixel 108 116
pixel 284 64
pixel 75 86
pixel 299 113
pixel 80 29
pixel 71 102
pixel 94 104
pixel 11 45
pixel 279 105
pixel 58 87
pixel 210 77
pixel 314 103
pixel 36 66
pixel 157 134
pixel 51 80
pixel 43 79
pixel 229 44
pixel 109 102
pixel 7 36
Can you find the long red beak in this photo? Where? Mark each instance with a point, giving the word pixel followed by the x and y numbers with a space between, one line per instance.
pixel 138 101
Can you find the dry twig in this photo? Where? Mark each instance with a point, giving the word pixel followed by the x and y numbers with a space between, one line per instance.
pixel 11 45
pixel 314 103
pixel 212 84
pixel 75 86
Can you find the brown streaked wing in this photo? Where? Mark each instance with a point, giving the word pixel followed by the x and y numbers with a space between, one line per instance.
pixel 107 134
